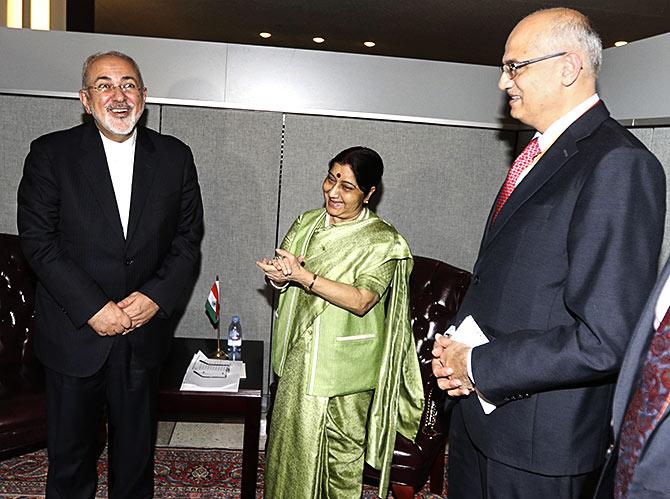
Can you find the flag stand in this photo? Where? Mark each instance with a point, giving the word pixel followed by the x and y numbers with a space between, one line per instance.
pixel 216 319
pixel 219 354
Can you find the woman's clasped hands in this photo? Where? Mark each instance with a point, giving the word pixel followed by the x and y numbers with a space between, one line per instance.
pixel 284 267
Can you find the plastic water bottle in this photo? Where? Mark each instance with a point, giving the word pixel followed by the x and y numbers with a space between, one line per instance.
pixel 235 339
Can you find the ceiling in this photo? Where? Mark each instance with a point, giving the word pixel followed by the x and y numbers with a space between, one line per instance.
pixel 470 31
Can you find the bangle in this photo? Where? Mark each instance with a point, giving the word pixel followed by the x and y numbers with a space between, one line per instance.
pixel 309 288
pixel 280 288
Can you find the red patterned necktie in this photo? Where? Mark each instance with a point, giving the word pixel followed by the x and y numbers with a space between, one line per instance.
pixel 649 402
pixel 523 161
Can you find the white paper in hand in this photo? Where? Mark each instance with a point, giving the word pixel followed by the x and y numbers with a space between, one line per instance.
pixel 469 333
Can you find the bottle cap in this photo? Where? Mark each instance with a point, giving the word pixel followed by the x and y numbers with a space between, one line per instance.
pixel 236 318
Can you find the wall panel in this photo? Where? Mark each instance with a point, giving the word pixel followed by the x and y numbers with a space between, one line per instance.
pixel 634 80
pixel 438 186
pixel 658 142
pixel 237 156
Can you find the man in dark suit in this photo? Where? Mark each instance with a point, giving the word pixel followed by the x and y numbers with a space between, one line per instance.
pixel 639 464
pixel 110 219
pixel 568 256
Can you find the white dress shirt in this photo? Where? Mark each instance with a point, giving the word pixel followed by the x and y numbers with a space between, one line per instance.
pixel 120 161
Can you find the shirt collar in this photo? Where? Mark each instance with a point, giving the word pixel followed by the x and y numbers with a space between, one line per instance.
pixel 546 139
pixel 126 144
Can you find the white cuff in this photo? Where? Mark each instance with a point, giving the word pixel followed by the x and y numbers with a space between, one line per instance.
pixel 470 375
pixel 487 406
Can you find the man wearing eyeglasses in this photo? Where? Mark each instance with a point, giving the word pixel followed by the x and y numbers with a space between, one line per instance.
pixel 110 219
pixel 568 256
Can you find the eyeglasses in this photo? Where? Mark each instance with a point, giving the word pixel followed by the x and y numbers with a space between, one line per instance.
pixel 510 68
pixel 108 88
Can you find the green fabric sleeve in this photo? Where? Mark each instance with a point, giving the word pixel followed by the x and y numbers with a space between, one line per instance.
pixel 378 280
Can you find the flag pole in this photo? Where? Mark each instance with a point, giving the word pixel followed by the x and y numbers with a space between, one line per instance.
pixel 219 353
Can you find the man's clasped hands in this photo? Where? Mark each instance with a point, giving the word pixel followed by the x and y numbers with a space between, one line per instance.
pixel 133 311
pixel 450 366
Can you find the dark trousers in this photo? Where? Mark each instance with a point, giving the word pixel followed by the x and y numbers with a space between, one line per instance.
pixel 125 391
pixel 474 476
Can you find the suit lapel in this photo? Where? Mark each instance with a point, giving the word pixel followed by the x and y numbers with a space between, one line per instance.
pixel 144 172
pixel 636 353
pixel 93 162
pixel 560 152
pixel 550 163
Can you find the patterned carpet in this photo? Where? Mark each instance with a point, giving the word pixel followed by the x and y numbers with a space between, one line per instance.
pixel 179 473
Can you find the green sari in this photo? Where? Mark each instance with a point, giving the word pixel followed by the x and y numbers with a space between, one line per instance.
pixel 347 383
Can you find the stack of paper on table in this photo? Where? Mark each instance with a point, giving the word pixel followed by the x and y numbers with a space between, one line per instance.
pixel 213 375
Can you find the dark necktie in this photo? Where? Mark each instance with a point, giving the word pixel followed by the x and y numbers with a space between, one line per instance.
pixel 647 405
pixel 523 161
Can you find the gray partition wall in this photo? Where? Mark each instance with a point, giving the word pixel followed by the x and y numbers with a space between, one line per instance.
pixel 657 139
pixel 238 158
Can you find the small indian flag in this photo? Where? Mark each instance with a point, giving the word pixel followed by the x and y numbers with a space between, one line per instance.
pixel 212 303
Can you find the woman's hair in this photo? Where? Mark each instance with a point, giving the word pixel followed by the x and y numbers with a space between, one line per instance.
pixel 366 164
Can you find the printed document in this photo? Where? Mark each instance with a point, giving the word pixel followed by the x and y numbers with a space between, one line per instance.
pixel 213 375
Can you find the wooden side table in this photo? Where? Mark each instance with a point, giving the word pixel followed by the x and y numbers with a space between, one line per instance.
pixel 175 405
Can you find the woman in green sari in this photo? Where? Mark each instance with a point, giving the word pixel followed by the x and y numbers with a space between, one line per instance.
pixel 342 345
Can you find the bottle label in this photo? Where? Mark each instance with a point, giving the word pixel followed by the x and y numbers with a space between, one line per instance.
pixel 234 337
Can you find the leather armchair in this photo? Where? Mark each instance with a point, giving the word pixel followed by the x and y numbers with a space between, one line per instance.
pixel 436 292
pixel 22 395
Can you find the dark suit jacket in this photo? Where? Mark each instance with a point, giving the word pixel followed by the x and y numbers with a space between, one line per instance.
pixel 650 480
pixel 558 285
pixel 71 234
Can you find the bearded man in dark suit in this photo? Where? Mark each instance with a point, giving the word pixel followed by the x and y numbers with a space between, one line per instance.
pixel 110 219
pixel 568 257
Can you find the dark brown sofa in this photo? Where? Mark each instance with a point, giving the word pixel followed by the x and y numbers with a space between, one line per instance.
pixel 22 398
